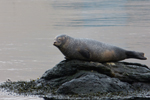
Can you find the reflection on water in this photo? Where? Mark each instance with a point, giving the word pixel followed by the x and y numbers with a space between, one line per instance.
pixel 94 13
pixel 103 13
pixel 28 28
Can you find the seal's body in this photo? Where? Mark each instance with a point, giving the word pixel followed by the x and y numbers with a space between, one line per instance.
pixel 92 50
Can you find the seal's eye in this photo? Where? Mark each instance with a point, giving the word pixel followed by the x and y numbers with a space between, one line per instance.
pixel 59 39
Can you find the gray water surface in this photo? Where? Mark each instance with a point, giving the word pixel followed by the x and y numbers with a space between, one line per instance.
pixel 28 28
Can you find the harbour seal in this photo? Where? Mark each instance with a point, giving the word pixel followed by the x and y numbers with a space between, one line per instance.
pixel 92 50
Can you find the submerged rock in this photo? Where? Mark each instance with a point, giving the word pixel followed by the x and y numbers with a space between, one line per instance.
pixel 89 79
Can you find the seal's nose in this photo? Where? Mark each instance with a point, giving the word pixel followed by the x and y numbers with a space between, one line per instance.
pixel 54 43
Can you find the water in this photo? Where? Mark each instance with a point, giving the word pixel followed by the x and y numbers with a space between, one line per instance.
pixel 28 27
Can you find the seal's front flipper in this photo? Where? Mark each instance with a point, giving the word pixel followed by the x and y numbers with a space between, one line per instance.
pixel 85 53
pixel 137 55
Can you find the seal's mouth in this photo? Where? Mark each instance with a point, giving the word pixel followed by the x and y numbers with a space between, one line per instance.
pixel 54 43
pixel 57 44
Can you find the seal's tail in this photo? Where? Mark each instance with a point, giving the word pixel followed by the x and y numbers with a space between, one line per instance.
pixel 137 55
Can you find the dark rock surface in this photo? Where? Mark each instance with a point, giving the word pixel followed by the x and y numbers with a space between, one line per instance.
pixel 82 79
pixel 76 77
pixel 93 83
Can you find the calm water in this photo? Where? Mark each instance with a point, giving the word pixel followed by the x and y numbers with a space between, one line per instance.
pixel 28 27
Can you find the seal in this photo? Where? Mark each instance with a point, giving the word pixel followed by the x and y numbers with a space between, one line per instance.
pixel 92 50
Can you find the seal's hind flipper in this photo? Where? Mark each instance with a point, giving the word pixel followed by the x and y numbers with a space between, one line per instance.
pixel 85 53
pixel 137 55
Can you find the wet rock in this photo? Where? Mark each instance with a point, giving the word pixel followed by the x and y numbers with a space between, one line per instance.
pixel 93 83
pixel 86 80
pixel 76 77
pixel 128 72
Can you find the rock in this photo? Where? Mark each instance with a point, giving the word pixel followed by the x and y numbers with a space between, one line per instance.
pixel 93 83
pixel 77 77
pixel 128 72
pixel 83 80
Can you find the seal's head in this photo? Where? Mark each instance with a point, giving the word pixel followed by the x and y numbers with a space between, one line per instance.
pixel 60 40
